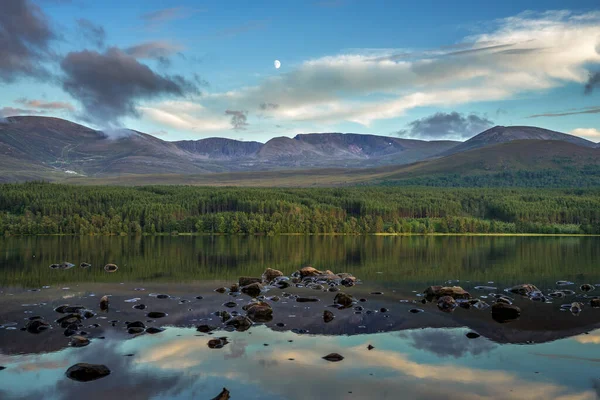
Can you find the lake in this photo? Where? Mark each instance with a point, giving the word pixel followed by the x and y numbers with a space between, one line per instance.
pixel 394 342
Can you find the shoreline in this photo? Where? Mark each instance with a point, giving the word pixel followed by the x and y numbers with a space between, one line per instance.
pixel 316 234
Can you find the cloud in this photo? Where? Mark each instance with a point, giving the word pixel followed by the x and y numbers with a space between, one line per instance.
pixel 46 105
pixel 25 36
pixel 592 134
pixel 11 112
pixel 239 119
pixel 592 83
pixel 185 115
pixel 109 85
pixel 153 50
pixel 155 19
pixel 268 106
pixel 447 343
pixel 547 51
pixel 447 125
pixel 92 32
pixel 587 110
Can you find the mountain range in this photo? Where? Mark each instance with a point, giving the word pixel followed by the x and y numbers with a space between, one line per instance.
pixel 33 147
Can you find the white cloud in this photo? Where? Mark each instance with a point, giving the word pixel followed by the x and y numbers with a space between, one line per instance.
pixel 592 134
pixel 186 115
pixel 522 54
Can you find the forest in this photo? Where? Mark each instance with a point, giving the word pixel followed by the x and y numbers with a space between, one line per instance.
pixel 36 208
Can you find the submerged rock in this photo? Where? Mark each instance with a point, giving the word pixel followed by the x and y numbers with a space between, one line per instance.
pixel 136 324
pixel 156 314
pixel 69 319
pixel 104 303
pixel 153 330
pixel 502 312
pixel 343 299
pixel 217 343
pixel 136 330
pixel 306 299
pixel 67 309
pixel 333 357
pixel 140 306
pixel 576 308
pixel 309 271
pixel 472 335
pixel 84 372
pixel 111 268
pixel 270 275
pixel 525 289
pixel 446 303
pixel 205 328
pixel 253 289
pixel 328 316
pixel 240 323
pixel 595 303
pixel 37 326
pixel 586 287
pixel 224 395
pixel 79 341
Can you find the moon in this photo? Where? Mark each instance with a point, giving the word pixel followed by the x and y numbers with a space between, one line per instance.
pixel 277 64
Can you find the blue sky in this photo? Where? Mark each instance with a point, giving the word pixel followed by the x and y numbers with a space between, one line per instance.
pixel 195 69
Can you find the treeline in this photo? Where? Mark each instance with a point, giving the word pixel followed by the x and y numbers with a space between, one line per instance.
pixel 43 208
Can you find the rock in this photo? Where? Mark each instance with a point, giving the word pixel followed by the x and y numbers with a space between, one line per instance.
pixel 306 299
pixel 156 314
pixel 37 326
pixel 163 296
pixel 136 324
pixel 85 265
pixel 68 320
pixel 328 316
pixel 253 289
pixel 270 275
pixel 104 303
pixel 472 335
pixel 63 265
pixel 217 343
pixel 576 308
pixel 221 290
pixel 456 292
pixel 586 287
pixel 199 297
pixel 282 284
pixel 111 268
pixel 240 323
pixel 446 303
pixel 225 316
pixel 502 312
pixel 153 330
pixel 230 304
pixel 309 271
pixel 416 310
pixel 224 395
pixel 87 314
pixel 67 309
pixel 343 299
pixel 526 289
pixel 84 372
pixel 333 357
pixel 370 347
pixel 140 306
pixel 234 288
pixel 259 312
pixel 595 303
pixel 504 300
pixel 79 341
pixel 136 330
pixel 348 282
pixel 248 280
pixel 205 328
pixel 2 368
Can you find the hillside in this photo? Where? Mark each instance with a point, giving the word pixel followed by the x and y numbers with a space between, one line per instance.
pixel 504 134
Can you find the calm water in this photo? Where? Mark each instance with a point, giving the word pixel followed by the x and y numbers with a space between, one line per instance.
pixel 546 354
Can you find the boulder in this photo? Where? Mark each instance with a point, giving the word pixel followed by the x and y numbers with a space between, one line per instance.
pixel 84 372
pixel 104 303
pixel 240 323
pixel 343 299
pixel 526 289
pixel 328 316
pixel 270 275
pixel 576 308
pixel 221 290
pixel 253 289
pixel 248 280
pixel 69 319
pixel 446 303
pixel 79 341
pixel 456 292
pixel 502 312
pixel 333 357
pixel 234 288
pixel 309 271
pixel 111 268
pixel 217 343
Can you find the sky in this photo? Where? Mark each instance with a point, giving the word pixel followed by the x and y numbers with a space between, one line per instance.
pixel 187 69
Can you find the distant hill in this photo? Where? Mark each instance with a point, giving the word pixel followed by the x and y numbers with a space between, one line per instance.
pixel 504 134
pixel 58 150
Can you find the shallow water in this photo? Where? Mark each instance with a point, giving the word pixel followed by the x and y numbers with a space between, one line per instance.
pixel 548 353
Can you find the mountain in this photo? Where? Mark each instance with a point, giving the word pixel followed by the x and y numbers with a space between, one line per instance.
pixel 220 148
pixel 504 134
